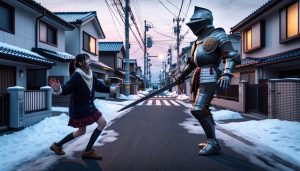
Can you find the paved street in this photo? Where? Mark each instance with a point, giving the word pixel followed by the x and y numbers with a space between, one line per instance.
pixel 150 138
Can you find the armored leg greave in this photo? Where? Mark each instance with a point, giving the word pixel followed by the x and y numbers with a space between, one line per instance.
pixel 202 113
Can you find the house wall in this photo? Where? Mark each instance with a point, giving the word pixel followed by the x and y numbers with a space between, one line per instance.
pixel 24 36
pixel 91 29
pixel 107 59
pixel 272 45
pixel 72 42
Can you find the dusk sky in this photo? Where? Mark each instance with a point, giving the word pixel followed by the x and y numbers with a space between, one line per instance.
pixel 227 13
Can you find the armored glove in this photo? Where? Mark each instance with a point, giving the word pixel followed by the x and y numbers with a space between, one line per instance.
pixel 224 81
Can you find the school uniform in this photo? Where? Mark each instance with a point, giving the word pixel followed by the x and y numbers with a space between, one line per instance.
pixel 82 87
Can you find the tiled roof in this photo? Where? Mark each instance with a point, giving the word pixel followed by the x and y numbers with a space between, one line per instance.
pixel 10 52
pixel 58 56
pixel 293 54
pixel 79 17
pixel 110 46
pixel 265 7
pixel 75 17
pixel 101 65
pixel 38 7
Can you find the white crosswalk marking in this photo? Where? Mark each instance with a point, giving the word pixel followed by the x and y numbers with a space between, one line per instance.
pixel 174 103
pixel 158 103
pixel 166 103
pixel 149 103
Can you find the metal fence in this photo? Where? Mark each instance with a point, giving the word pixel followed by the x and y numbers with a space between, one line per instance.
pixel 35 100
pixel 231 94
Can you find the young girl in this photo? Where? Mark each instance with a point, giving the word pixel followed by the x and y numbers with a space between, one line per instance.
pixel 82 111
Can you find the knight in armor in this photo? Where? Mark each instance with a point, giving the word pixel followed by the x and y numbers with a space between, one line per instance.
pixel 210 49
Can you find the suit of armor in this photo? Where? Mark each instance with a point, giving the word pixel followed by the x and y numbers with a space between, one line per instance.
pixel 211 47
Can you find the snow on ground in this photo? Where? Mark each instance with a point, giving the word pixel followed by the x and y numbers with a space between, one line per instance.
pixel 130 97
pixel 182 97
pixel 31 142
pixel 269 136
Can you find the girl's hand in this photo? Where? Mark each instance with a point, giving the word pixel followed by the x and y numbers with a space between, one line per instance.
pixel 116 88
pixel 54 84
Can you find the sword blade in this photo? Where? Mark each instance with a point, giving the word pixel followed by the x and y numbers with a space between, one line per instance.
pixel 149 96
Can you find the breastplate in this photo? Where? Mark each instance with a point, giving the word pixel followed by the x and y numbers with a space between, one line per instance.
pixel 207 57
pixel 206 53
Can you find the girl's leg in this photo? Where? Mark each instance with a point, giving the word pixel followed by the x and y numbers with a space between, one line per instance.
pixel 72 136
pixel 101 124
pixel 57 147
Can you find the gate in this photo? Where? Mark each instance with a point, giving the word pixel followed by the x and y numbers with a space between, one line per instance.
pixel 257 98
pixel 7 79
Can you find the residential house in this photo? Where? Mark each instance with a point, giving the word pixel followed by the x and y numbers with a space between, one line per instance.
pixel 184 56
pixel 84 39
pixel 26 25
pixel 270 49
pixel 134 79
pixel 112 54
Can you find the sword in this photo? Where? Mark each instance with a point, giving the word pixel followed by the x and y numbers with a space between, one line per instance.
pixel 150 95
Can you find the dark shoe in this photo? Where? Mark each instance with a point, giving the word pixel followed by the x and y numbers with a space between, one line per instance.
pixel 56 149
pixel 91 155
pixel 212 147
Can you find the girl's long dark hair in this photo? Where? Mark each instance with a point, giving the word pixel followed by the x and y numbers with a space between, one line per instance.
pixel 74 63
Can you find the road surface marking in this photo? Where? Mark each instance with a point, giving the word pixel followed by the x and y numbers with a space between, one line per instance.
pixel 166 103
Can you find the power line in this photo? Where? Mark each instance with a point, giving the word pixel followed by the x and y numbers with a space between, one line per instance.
pixel 172 4
pixel 180 8
pixel 166 8
pixel 164 34
pixel 109 9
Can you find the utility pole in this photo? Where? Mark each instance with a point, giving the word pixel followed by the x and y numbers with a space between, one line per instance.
pixel 147 26
pixel 165 65
pixel 145 56
pixel 177 32
pixel 127 81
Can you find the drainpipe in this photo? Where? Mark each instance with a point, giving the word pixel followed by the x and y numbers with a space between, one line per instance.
pixel 36 28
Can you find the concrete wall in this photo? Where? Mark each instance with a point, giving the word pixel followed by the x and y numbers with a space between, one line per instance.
pixel 239 106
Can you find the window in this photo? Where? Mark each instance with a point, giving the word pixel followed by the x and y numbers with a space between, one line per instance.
pixel 254 37
pixel 120 63
pixel 289 22
pixel 7 17
pixel 89 43
pixel 48 34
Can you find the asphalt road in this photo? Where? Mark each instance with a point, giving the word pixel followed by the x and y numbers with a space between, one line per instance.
pixel 150 138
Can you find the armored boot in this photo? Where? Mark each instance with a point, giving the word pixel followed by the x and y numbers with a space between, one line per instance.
pixel 212 147
pixel 207 123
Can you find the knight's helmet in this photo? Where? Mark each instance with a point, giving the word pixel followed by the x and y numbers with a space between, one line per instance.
pixel 201 18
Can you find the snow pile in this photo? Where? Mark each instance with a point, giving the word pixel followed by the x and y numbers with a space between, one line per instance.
pixel 225 115
pixel 182 97
pixel 281 136
pixel 130 97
